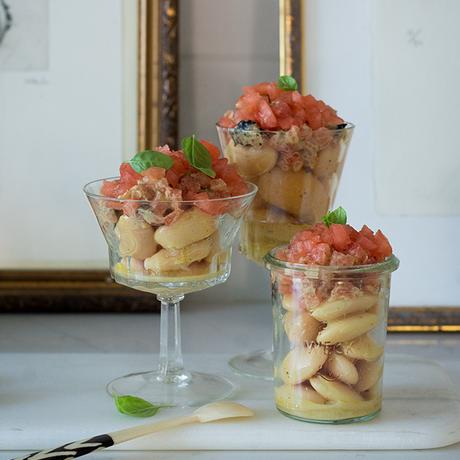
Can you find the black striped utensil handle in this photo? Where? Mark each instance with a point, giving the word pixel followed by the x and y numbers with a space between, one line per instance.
pixel 72 450
pixel 78 448
pixel 209 413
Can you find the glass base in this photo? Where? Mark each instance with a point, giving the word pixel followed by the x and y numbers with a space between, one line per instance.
pixel 180 390
pixel 257 364
pixel 363 418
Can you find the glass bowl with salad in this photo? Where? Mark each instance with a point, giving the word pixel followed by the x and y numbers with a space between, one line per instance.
pixel 169 221
pixel 293 147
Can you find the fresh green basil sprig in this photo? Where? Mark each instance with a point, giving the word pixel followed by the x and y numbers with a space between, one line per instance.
pixel 136 407
pixel 148 158
pixel 338 216
pixel 197 155
pixel 287 83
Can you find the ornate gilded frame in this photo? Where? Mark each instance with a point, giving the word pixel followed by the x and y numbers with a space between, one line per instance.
pixel 291 39
pixel 157 73
pixel 94 291
pixel 292 54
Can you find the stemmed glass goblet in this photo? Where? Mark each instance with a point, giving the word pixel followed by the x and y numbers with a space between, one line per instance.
pixel 170 248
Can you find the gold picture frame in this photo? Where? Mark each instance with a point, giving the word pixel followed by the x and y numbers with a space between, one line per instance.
pixel 94 291
pixel 84 291
pixel 291 50
pixel 157 106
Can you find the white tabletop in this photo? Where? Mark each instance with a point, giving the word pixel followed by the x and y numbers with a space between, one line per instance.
pixel 229 328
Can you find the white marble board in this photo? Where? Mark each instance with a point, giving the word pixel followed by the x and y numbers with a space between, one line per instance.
pixel 47 400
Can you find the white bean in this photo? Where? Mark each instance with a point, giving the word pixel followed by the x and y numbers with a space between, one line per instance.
pixel 347 329
pixel 301 363
pixel 374 392
pixel 334 309
pixel 300 326
pixel 137 238
pixel 176 259
pixel 290 303
pixel 333 390
pixel 193 225
pixel 328 161
pixel 369 374
pixel 362 347
pixel 251 161
pixel 341 368
pixel 297 395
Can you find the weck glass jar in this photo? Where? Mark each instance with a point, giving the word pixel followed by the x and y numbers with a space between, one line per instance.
pixel 329 334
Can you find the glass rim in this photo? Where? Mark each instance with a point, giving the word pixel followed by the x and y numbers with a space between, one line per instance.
pixel 349 126
pixel 253 190
pixel 390 264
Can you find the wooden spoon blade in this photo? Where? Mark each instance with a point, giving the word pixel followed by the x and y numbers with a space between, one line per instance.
pixel 220 410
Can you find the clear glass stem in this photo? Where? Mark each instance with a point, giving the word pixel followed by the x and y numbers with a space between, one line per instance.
pixel 171 363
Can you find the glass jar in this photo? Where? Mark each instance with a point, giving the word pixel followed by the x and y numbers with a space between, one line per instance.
pixel 329 334
pixel 297 172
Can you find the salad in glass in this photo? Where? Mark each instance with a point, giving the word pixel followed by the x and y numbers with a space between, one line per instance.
pixel 293 147
pixel 169 221
pixel 331 288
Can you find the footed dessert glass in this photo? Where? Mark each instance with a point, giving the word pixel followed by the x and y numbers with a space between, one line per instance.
pixel 329 332
pixel 169 248
pixel 297 172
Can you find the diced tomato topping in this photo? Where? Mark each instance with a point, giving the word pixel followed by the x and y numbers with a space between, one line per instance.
pixel 179 168
pixel 229 174
pixel 128 175
pixel 366 231
pixel 128 178
pixel 274 108
pixel 340 237
pixel 238 188
pixel 367 243
pixel 338 244
pixel 183 182
pixel 280 109
pixel 154 173
pixel 384 246
pixel 212 149
pixel 265 116
pixel 269 89
pixel 110 188
pixel 226 122
pixel 209 206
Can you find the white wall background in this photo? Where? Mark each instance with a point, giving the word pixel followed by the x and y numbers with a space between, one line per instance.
pixel 59 128
pixel 362 59
pixel 356 52
pixel 225 45
pixel 64 125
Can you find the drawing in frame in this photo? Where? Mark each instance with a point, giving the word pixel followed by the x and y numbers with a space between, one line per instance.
pixel 157 108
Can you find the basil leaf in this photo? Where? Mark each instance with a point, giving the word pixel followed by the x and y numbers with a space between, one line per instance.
pixel 148 158
pixel 338 216
pixel 136 407
pixel 287 83
pixel 197 155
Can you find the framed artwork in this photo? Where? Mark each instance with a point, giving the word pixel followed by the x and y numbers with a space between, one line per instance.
pixel 155 68
pixel 154 98
pixel 150 90
pixel 389 67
